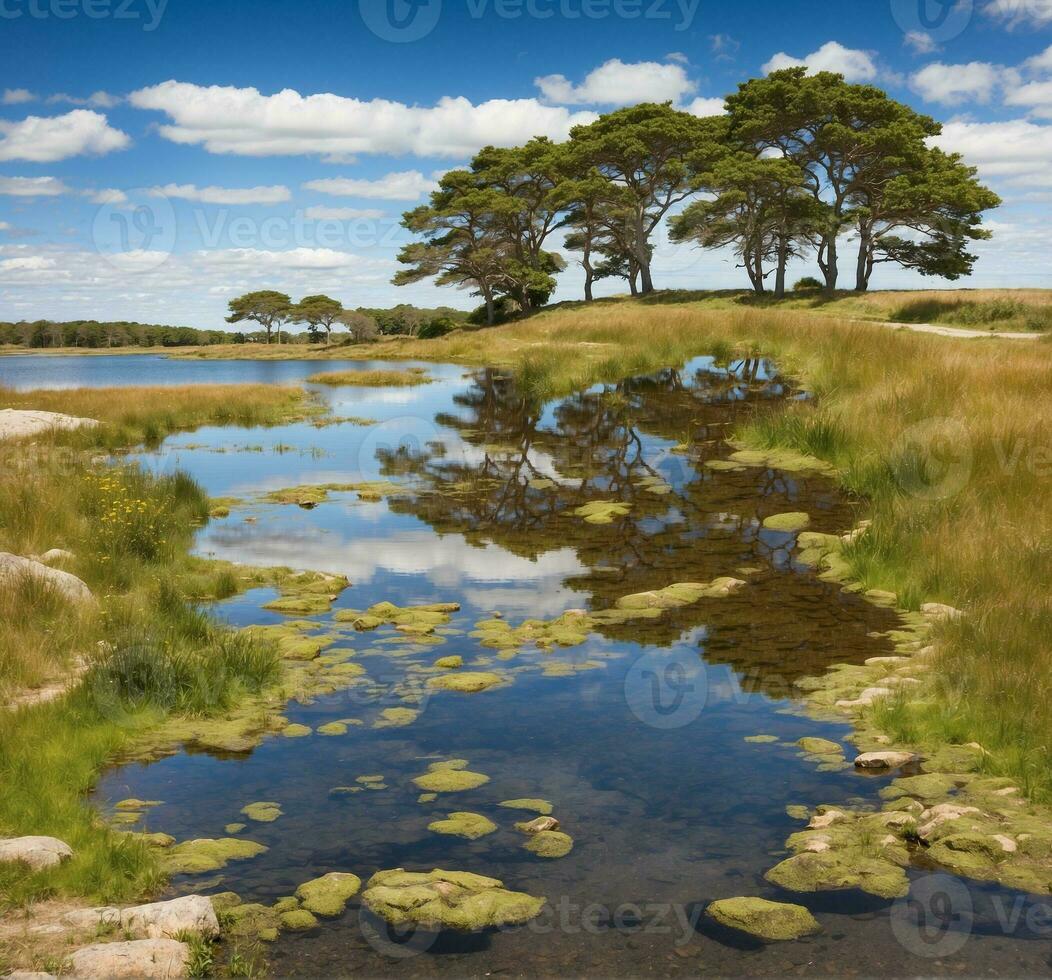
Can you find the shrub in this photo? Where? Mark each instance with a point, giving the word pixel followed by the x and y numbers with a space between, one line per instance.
pixel 807 284
pixel 438 327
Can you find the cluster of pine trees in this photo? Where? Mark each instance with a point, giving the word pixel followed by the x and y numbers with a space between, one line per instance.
pixel 106 333
pixel 797 163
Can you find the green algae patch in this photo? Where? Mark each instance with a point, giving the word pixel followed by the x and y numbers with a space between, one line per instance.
pixel 234 828
pixel 447 900
pixel 427 798
pixel 419 620
pixel 679 594
pixel 450 663
pixel 207 854
pixel 549 844
pixel 396 717
pixel 296 731
pixel 298 605
pixel 780 459
pixel 262 812
pixel 761 739
pixel 602 511
pixel 798 811
pixel 442 777
pixel 305 496
pixel 248 921
pixel 134 804
pixel 536 806
pixel 467 682
pixel 790 522
pixel 461 823
pixel 769 921
pixel 819 746
pixel 329 894
pixel 829 871
pixel 297 920
pixel 332 728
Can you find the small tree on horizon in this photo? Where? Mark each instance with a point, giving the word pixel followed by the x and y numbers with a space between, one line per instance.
pixel 267 307
pixel 318 311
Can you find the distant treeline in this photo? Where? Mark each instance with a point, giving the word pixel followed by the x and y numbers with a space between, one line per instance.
pixel 93 334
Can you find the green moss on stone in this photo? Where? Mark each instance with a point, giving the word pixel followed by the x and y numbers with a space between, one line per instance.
pixel 770 921
pixel 449 663
pixel 468 681
pixel 832 871
pixel 789 522
pixel 464 824
pixel 207 854
pixel 329 894
pixel 550 844
pixel 442 778
pixel 537 806
pixel 262 812
pixel 297 920
pixel 396 717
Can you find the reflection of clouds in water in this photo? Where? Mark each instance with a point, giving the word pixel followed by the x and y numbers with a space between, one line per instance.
pixel 541 462
pixel 547 600
pixel 447 561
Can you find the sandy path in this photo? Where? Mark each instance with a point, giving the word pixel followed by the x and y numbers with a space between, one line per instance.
pixel 942 330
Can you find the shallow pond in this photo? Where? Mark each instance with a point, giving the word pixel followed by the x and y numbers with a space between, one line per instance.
pixel 637 736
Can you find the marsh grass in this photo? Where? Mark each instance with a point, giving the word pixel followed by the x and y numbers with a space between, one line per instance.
pixel 146 415
pixel 372 379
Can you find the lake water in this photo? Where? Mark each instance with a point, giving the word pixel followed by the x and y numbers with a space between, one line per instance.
pixel 635 736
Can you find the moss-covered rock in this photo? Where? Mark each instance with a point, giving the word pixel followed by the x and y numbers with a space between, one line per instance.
pixel 819 746
pixel 834 871
pixel 449 663
pixel 770 921
pixel 464 824
pixel 134 804
pixel 396 717
pixel 329 894
pixel 550 844
pixel 447 900
pixel 442 777
pixel 250 921
pixel 262 812
pixel 296 731
pixel 297 920
pixel 761 739
pixel 207 854
pixel 789 522
pixel 468 681
pixel 537 806
pixel 680 594
pixel 332 728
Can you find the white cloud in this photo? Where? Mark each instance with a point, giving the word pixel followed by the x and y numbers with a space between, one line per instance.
pixel 46 139
pixel 28 263
pixel 225 119
pixel 705 107
pixel 343 214
pixel 107 195
pixel 1035 96
pixel 6 226
pixel 97 100
pixel 853 64
pixel 616 83
pixel 32 186
pixel 405 185
pixel 1016 151
pixel 1020 13
pixel 953 84
pixel 1040 62
pixel 224 195
pixel 17 96
pixel 920 42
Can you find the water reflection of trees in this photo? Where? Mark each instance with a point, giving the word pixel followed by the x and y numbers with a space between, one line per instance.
pixel 515 472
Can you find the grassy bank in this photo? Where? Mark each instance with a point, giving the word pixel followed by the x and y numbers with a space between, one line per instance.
pixel 893 411
pixel 145 652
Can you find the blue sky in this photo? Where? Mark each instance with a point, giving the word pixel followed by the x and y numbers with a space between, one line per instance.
pixel 160 156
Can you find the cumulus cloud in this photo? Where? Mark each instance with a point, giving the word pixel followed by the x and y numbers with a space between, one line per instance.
pixel 705 107
pixel 953 84
pixel 224 195
pixel 1016 152
pixel 226 119
pixel 343 214
pixel 1040 62
pixel 1021 13
pixel 45 139
pixel 853 64
pixel 404 185
pixel 618 83
pixel 107 195
pixel 32 186
pixel 17 96
pixel 920 42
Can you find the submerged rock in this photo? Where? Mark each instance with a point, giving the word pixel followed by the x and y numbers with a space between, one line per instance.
pixel 207 854
pixel 37 852
pixel 835 871
pixel 332 728
pixel 761 739
pixel 464 824
pixel 550 844
pixel 819 746
pixel 537 824
pixel 770 921
pixel 447 900
pixel 329 894
pixel 449 663
pixel 680 594
pixel 297 920
pixel 538 806
pixel 396 717
pixel 262 812
pixel 140 959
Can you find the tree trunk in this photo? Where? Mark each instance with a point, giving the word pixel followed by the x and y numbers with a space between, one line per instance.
pixel 830 269
pixel 489 308
pixel 646 284
pixel 588 286
pixel 632 287
pixel 863 266
pixel 783 260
